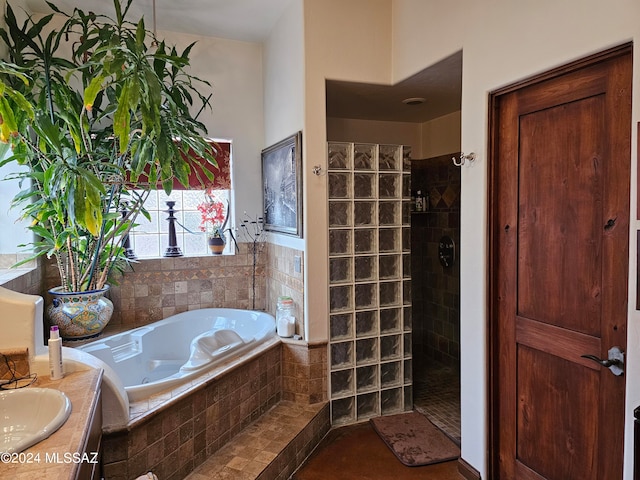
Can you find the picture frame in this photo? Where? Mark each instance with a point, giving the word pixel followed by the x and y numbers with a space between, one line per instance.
pixel 282 186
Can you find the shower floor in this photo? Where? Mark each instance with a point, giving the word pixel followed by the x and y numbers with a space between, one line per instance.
pixel 436 394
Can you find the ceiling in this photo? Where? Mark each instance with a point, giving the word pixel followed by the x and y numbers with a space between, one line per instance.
pixel 440 85
pixel 253 20
pixel 246 20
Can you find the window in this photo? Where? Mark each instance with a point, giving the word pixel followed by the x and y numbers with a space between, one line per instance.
pixel 150 238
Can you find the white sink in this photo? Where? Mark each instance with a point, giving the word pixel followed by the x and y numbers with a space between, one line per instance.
pixel 29 415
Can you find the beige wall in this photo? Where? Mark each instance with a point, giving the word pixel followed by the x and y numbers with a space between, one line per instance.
pixel 375 131
pixel 234 70
pixel 440 136
pixel 503 42
pixel 344 40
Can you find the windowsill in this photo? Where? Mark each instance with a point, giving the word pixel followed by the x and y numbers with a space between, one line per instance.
pixel 8 274
pixel 188 255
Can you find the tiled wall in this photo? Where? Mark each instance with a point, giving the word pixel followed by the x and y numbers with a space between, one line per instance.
pixel 177 439
pixel 304 372
pixel 282 279
pixel 436 289
pixel 159 288
pixel 23 280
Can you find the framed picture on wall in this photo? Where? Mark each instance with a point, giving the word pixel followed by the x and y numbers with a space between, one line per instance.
pixel 282 186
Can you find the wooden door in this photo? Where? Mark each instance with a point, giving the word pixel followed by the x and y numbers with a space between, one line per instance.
pixel 559 231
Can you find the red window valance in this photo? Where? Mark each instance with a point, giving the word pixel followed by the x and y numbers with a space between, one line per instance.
pixel 197 178
pixel 222 180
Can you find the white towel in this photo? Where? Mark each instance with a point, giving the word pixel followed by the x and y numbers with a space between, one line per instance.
pixel 148 476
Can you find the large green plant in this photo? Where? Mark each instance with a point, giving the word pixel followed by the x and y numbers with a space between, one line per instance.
pixel 90 106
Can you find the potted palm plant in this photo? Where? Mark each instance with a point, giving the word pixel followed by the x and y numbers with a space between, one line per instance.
pixel 97 111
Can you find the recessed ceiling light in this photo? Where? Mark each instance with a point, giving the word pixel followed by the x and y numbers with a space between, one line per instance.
pixel 414 101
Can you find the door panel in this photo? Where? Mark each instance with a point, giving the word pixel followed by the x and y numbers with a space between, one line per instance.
pixel 560 215
pixel 560 166
pixel 555 443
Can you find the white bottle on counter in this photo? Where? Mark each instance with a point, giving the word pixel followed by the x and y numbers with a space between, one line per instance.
pixel 55 354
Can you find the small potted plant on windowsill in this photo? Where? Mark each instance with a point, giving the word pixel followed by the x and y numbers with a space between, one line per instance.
pixel 213 221
pixel 90 106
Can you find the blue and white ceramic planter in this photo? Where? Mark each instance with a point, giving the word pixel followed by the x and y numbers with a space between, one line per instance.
pixel 79 315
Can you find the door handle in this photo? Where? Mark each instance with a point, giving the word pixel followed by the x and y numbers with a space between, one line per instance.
pixel 615 362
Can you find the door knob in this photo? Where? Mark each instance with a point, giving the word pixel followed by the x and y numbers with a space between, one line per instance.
pixel 615 362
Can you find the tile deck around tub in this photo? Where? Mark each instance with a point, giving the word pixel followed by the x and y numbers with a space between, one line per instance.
pixel 270 448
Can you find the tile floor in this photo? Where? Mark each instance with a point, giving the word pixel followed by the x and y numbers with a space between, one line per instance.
pixel 436 394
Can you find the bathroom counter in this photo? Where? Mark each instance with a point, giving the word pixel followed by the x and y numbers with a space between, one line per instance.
pixel 61 455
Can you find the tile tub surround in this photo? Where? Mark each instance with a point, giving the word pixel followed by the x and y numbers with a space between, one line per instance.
pixel 23 280
pixel 161 287
pixel 282 279
pixel 304 372
pixel 173 440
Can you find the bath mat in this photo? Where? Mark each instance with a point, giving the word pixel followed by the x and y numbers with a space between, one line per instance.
pixel 414 439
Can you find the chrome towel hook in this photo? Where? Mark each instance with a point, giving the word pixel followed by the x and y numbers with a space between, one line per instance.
pixel 469 157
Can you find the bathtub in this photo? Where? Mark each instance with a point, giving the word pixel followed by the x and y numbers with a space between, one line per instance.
pixel 172 351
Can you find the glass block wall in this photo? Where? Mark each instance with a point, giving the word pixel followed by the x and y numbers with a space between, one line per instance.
pixel 369 195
